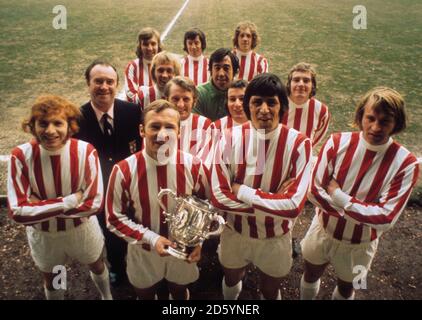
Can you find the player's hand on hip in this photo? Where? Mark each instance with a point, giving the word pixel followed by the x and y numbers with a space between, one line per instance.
pixel 332 186
pixel 235 188
pixel 34 198
pixel 79 196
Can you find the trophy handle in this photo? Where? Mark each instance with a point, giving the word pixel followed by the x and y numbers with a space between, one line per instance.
pixel 162 193
pixel 221 224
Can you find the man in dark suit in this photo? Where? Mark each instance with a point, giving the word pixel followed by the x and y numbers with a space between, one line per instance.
pixel 112 127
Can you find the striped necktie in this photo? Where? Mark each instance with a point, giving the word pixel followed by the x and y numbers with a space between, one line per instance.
pixel 108 129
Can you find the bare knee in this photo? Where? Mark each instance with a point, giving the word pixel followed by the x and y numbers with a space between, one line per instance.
pixel 233 276
pixel 178 291
pixel 345 288
pixel 269 286
pixel 146 293
pixel 98 266
pixel 313 272
pixel 48 280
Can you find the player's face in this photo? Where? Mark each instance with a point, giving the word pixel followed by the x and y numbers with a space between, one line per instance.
pixel 245 40
pixel 264 112
pixel 160 132
pixel 164 73
pixel 235 104
pixel 52 131
pixel 300 87
pixel 222 73
pixel 149 48
pixel 377 127
pixel 194 47
pixel 102 86
pixel 182 99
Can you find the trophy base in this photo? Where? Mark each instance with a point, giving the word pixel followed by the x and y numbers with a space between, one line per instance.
pixel 177 254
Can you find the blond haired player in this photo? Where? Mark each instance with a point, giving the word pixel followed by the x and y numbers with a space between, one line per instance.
pixel 134 214
pixel 245 41
pixel 360 186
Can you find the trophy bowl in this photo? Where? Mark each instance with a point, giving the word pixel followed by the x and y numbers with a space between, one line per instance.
pixel 189 222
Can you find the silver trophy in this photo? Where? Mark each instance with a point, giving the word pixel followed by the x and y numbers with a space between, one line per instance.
pixel 189 222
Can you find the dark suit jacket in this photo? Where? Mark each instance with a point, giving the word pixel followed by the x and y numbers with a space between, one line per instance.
pixel 125 140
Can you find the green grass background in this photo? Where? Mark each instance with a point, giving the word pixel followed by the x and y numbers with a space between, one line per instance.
pixel 35 58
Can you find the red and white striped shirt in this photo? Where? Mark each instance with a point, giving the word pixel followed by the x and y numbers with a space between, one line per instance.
pixel 224 123
pixel 195 69
pixel 137 75
pixel 222 127
pixel 250 64
pixel 54 177
pixel 261 163
pixel 147 95
pixel 312 119
pixel 132 208
pixel 375 184
pixel 196 136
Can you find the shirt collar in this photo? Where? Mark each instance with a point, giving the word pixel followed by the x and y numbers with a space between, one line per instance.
pixel 187 120
pixel 244 54
pixel 376 148
pixel 291 103
pixel 99 114
pixel 266 136
pixel 195 58
pixel 221 92
pixel 170 159
pixel 56 152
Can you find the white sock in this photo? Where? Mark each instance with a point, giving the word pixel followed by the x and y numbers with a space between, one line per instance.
pixel 309 290
pixel 231 293
pixel 54 294
pixel 102 283
pixel 337 296
pixel 278 295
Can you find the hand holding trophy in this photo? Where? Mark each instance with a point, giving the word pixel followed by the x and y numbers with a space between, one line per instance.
pixel 189 222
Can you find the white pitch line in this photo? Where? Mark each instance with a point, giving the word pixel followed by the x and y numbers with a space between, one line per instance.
pixel 165 33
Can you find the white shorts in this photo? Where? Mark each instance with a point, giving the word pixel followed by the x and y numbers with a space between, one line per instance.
pixel 146 268
pixel 84 243
pixel 272 256
pixel 318 248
